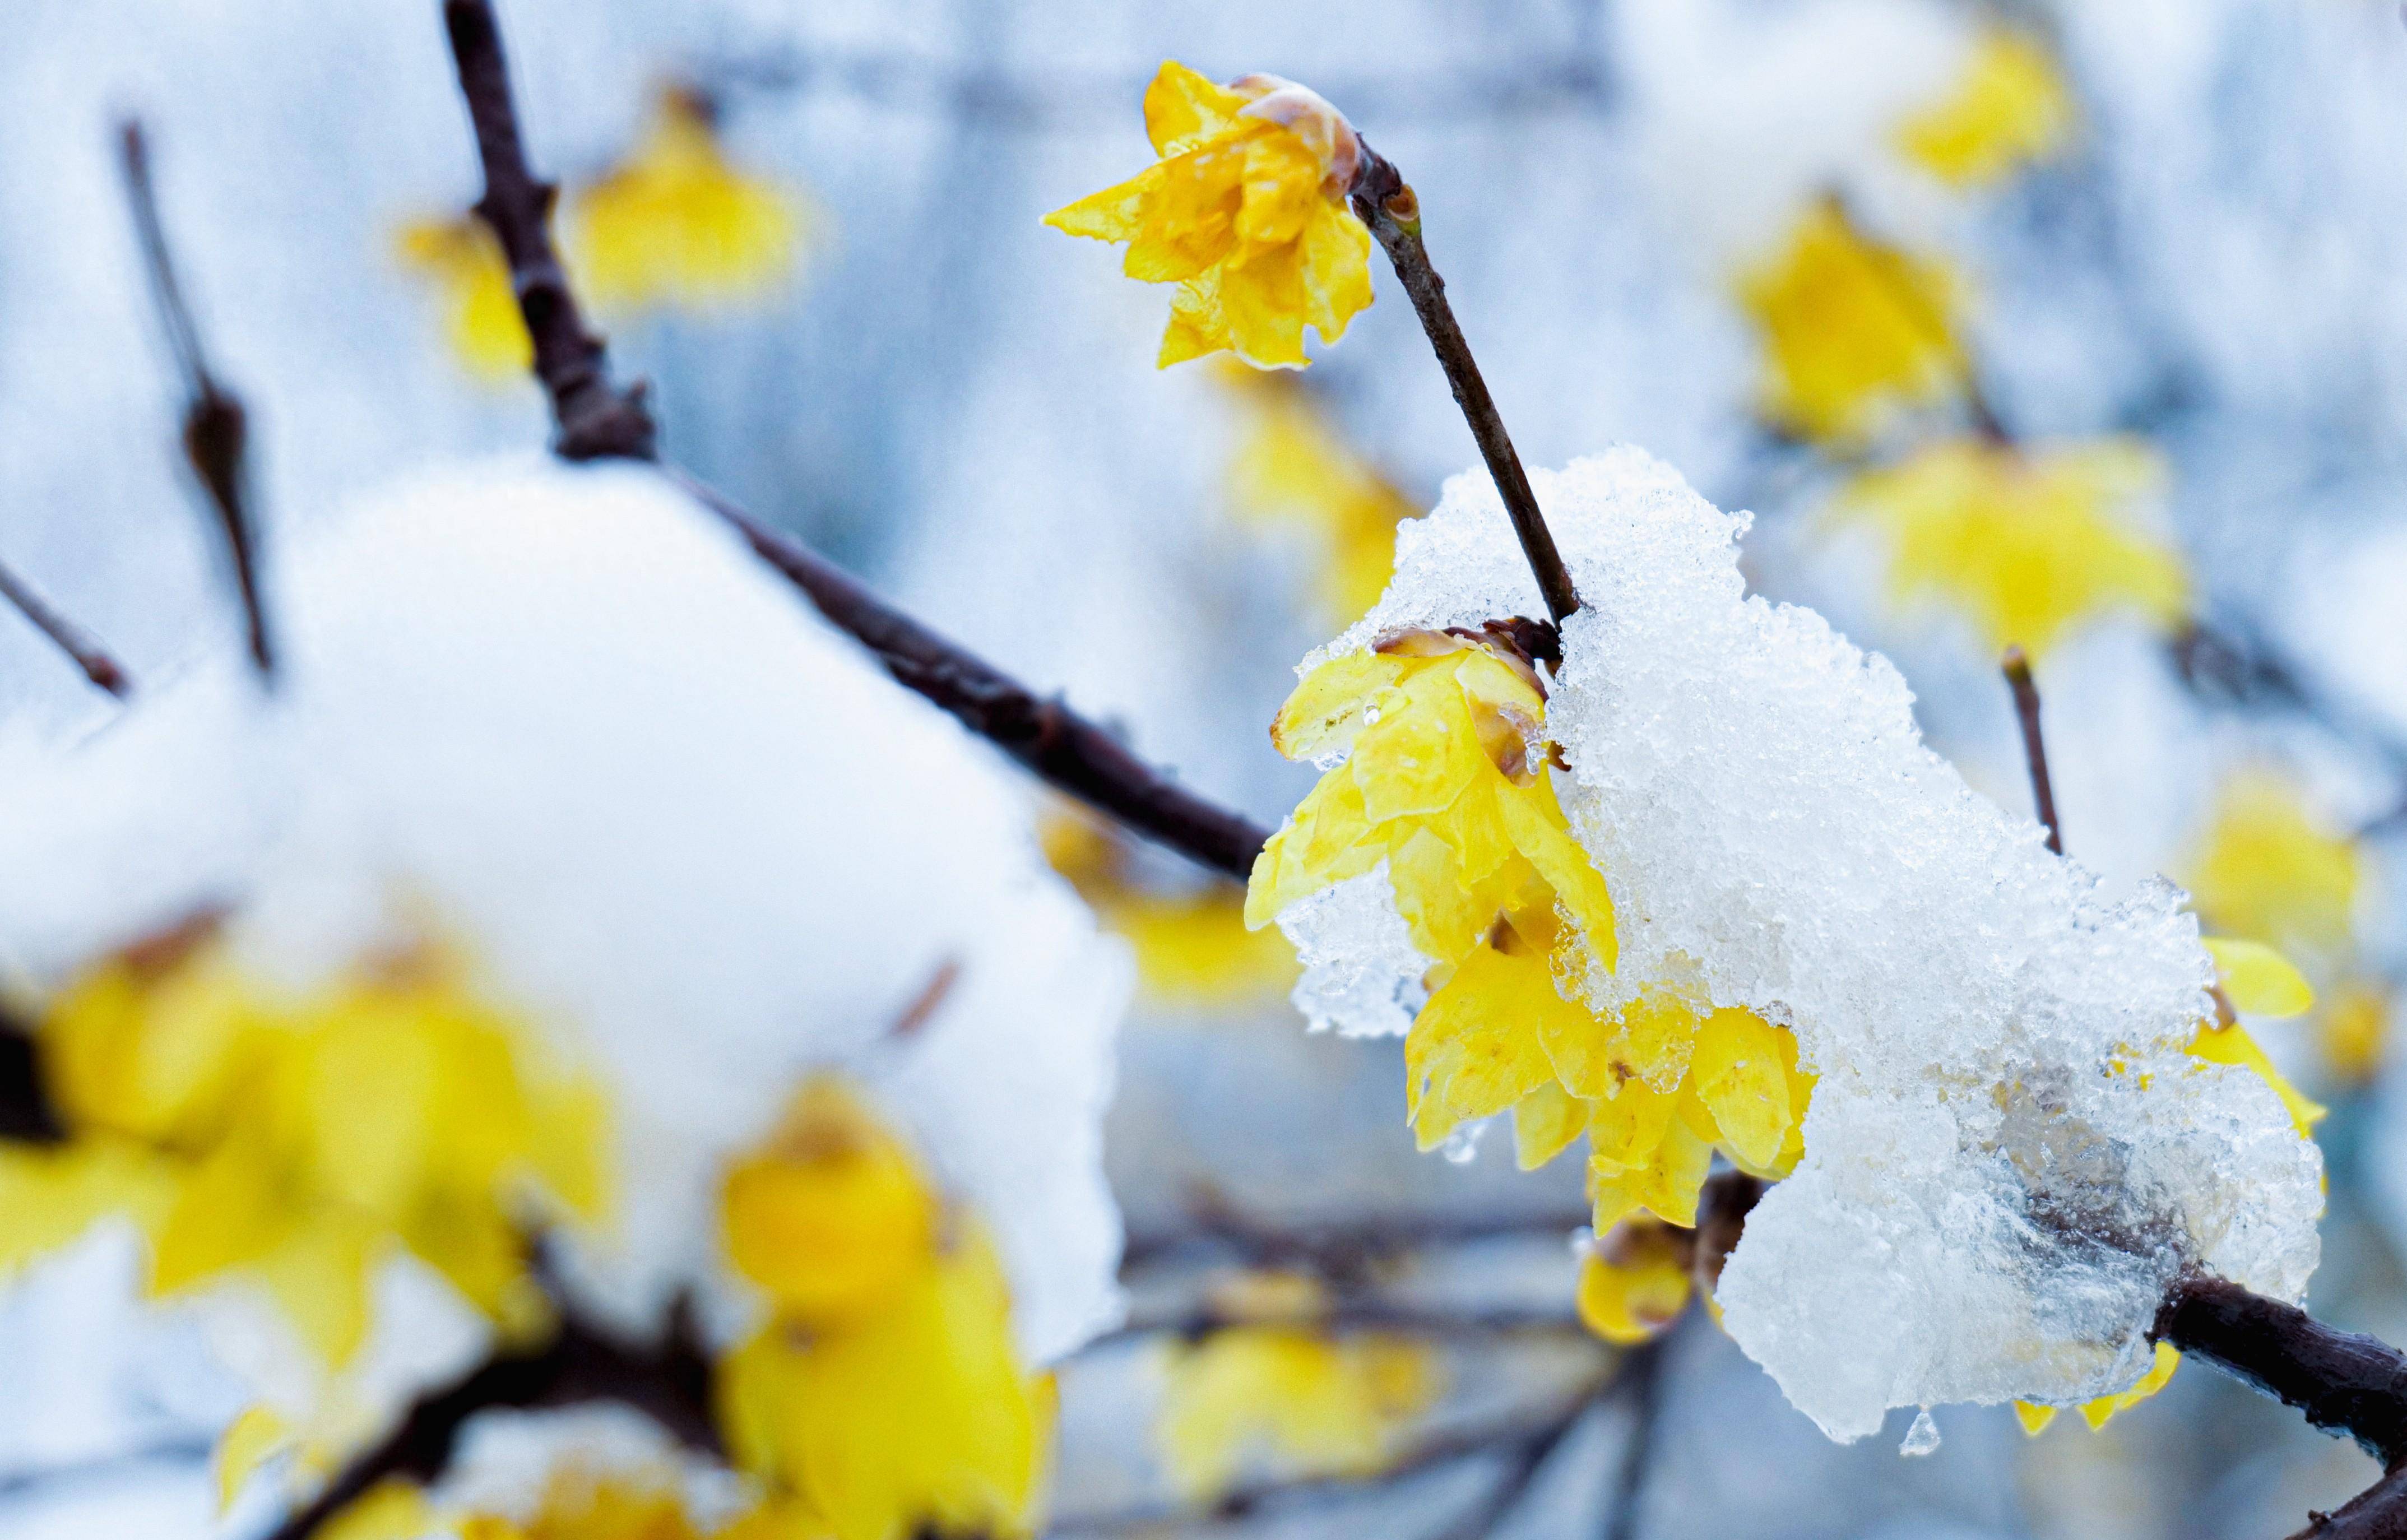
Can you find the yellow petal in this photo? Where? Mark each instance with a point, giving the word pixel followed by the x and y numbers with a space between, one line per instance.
pixel 2233 1045
pixel 676 223
pixel 1114 214
pixel 1324 713
pixel 2034 1416
pixel 250 1441
pixel 1633 1284
pixel 2011 107
pixel 1545 1123
pixel 1542 836
pixel 1738 1074
pixel 1309 1406
pixel 2260 980
pixel 2270 866
pixel 1183 109
pixel 2097 1413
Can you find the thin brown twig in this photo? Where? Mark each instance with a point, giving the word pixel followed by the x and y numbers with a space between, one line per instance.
pixel 2018 678
pixel 1347 1319
pixel 1386 202
pixel 1337 1250
pixel 596 419
pixel 81 647
pixel 216 429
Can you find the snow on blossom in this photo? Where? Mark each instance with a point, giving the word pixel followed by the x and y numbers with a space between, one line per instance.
pixel 2009 1155
pixel 559 719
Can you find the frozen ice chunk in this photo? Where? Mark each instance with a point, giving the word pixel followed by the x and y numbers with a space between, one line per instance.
pixel 2009 1154
pixel 1361 974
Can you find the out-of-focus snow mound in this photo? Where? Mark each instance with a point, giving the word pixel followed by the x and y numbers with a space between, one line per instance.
pixel 563 718
pixel 2009 1154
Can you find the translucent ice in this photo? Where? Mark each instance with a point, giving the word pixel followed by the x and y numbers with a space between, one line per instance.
pixel 2009 1154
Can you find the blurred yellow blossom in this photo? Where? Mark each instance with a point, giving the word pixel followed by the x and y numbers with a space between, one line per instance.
pixel 2009 107
pixel 2354 1029
pixel 463 261
pixel 675 223
pixel 1636 1280
pixel 2027 543
pixel 1450 783
pixel 579 1503
pixel 884 1396
pixel 297 1141
pixel 1293 468
pixel 1853 331
pixel 1246 212
pixel 2267 865
pixel 1318 1403
pixel 1192 949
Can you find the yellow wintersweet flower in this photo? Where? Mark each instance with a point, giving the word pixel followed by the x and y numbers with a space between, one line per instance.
pixel 2010 108
pixel 1293 468
pixel 675 223
pixel 2268 866
pixel 1449 780
pixel 296 1142
pixel 1854 330
pixel 2027 543
pixel 1636 1280
pixel 1246 212
pixel 831 1217
pixel 1317 1404
pixel 914 1416
pixel 464 261
pixel 1191 949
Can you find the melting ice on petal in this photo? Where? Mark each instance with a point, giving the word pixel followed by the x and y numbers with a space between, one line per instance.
pixel 2009 1154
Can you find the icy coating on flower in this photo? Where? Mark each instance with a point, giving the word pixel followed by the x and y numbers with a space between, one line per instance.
pixel 1246 212
pixel 2009 1152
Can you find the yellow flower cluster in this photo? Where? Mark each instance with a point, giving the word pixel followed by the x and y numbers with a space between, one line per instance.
pixel 298 1142
pixel 1293 469
pixel 1450 783
pixel 1854 332
pixel 674 224
pixel 2028 542
pixel 1321 1405
pixel 883 1396
pixel 1191 949
pixel 1245 212
pixel 2010 108
pixel 1636 1280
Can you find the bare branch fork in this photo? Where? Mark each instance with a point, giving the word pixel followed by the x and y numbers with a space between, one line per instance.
pixel 216 429
pixel 596 420
pixel 1386 202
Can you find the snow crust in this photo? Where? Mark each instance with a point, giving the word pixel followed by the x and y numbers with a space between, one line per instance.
pixel 2009 1155
pixel 561 718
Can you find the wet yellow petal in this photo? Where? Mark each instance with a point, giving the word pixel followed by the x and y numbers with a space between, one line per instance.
pixel 250 1441
pixel 1738 1074
pixel 1545 1123
pixel 2258 980
pixel 1325 713
pixel 2034 1416
pixel 1541 834
pixel 1183 109
pixel 2096 1413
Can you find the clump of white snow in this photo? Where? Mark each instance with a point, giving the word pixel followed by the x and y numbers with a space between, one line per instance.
pixel 2009 1154
pixel 564 718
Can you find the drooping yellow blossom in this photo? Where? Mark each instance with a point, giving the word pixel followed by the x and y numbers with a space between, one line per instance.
pixel 2253 977
pixel 1854 332
pixel 393 1509
pixel 296 1142
pixel 1315 1404
pixel 2036 1418
pixel 1246 212
pixel 1192 949
pixel 1449 781
pixel 1636 1280
pixel 832 1217
pixel 2026 543
pixel 884 1396
pixel 675 223
pixel 463 261
pixel 2011 107
pixel 1294 469
pixel 2268 866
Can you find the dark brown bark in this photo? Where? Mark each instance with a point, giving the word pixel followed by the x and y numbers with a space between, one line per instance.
pixel 2346 1384
pixel 1393 214
pixel 2018 678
